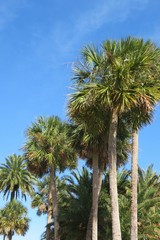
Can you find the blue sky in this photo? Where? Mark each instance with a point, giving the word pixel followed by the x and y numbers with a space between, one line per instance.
pixel 39 41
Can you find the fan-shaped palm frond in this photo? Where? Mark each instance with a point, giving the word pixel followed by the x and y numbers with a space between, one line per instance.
pixel 119 78
pixel 13 218
pixel 48 149
pixel 15 178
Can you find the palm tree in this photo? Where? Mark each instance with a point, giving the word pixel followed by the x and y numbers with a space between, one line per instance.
pixel 77 201
pixel 75 204
pixel 15 178
pixel 48 149
pixel 13 219
pixel 146 57
pixel 149 204
pixel 107 80
pixel 42 200
pixel 86 142
pixel 81 101
pixel 40 197
pixel 90 146
pixel 123 184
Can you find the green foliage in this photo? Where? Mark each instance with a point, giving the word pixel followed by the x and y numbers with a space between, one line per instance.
pixel 47 145
pixel 40 198
pixel 13 219
pixel 15 178
pixel 75 212
pixel 75 205
pixel 149 204
pixel 123 75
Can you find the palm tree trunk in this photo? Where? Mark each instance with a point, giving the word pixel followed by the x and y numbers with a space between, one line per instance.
pixel 54 204
pixel 112 156
pixel 12 195
pixel 89 226
pixel 10 234
pixel 11 199
pixel 100 175
pixel 134 182
pixel 95 197
pixel 49 217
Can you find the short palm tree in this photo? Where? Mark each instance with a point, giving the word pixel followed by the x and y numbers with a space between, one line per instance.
pixel 15 178
pixel 149 204
pixel 13 219
pixel 78 201
pixel 40 197
pixel 47 150
pixel 42 200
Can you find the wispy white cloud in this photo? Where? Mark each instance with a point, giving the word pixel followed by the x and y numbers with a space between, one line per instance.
pixel 101 13
pixel 9 11
pixel 107 11
pixel 63 37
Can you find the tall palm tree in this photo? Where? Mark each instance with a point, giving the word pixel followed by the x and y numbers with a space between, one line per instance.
pixel 138 120
pixel 15 178
pixel 86 142
pixel 90 146
pixel 13 219
pixel 77 200
pixel 123 184
pixel 137 66
pixel 81 101
pixel 48 149
pixel 107 80
pixel 146 57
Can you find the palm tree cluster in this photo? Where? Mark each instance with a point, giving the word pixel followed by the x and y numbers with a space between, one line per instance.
pixel 116 89
pixel 75 201
pixel 148 201
pixel 15 178
pixel 119 82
